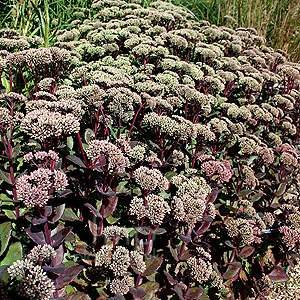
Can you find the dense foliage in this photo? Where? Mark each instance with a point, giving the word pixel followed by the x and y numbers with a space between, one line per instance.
pixel 147 156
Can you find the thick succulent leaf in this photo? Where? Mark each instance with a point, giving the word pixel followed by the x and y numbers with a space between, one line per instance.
pixel 68 276
pixel 76 160
pixel 152 265
pixel 246 251
pixel 5 176
pixel 278 275
pixel 69 215
pixel 150 288
pixel 93 228
pixel 110 208
pixel 37 237
pixel 77 295
pixel 5 233
pixel 93 210
pixel 39 221
pixel 232 271
pixel 59 210
pixel 193 293
pixel 171 280
pixel 59 237
pixel 14 253
pixel 59 269
pixel 137 293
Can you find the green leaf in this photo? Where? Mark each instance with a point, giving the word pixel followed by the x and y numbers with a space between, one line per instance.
pixel 5 233
pixel 16 150
pixel 14 253
pixel 70 142
pixel 244 192
pixel 102 296
pixel 69 215
pixel 5 83
pixel 3 272
pixel 281 189
pixel 89 135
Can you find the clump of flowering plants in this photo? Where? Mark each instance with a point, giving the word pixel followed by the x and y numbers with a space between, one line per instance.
pixel 147 156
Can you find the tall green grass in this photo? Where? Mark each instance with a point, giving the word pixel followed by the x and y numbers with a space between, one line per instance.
pixel 39 17
pixel 277 20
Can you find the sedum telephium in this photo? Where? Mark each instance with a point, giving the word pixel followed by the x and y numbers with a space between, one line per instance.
pixel 147 155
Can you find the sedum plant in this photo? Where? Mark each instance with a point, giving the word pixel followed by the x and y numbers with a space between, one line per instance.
pixel 147 155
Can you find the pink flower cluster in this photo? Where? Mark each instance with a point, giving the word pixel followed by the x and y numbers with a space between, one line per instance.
pixel 35 189
pixel 289 156
pixel 213 167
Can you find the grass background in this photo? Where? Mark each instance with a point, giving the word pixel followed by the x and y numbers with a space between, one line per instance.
pixel 277 20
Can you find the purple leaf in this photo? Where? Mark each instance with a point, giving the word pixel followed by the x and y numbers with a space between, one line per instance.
pixel 64 193
pixel 101 191
pixel 232 271
pixel 110 208
pixel 68 276
pixel 76 160
pixel 5 176
pixel 58 270
pixel 193 293
pixel 246 251
pixel 141 245
pixel 59 237
pixel 213 195
pixel 159 231
pixel 173 252
pixel 152 265
pixel 178 291
pixel 59 255
pixel 143 230
pixel 93 210
pixel 204 226
pixel 59 210
pixel 38 221
pixel 278 275
pixel 93 228
pixel 150 247
pixel 137 293
pixel 48 210
pixel 171 280
pixel 229 244
pixel 185 239
pixel 37 237
pixel 77 295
